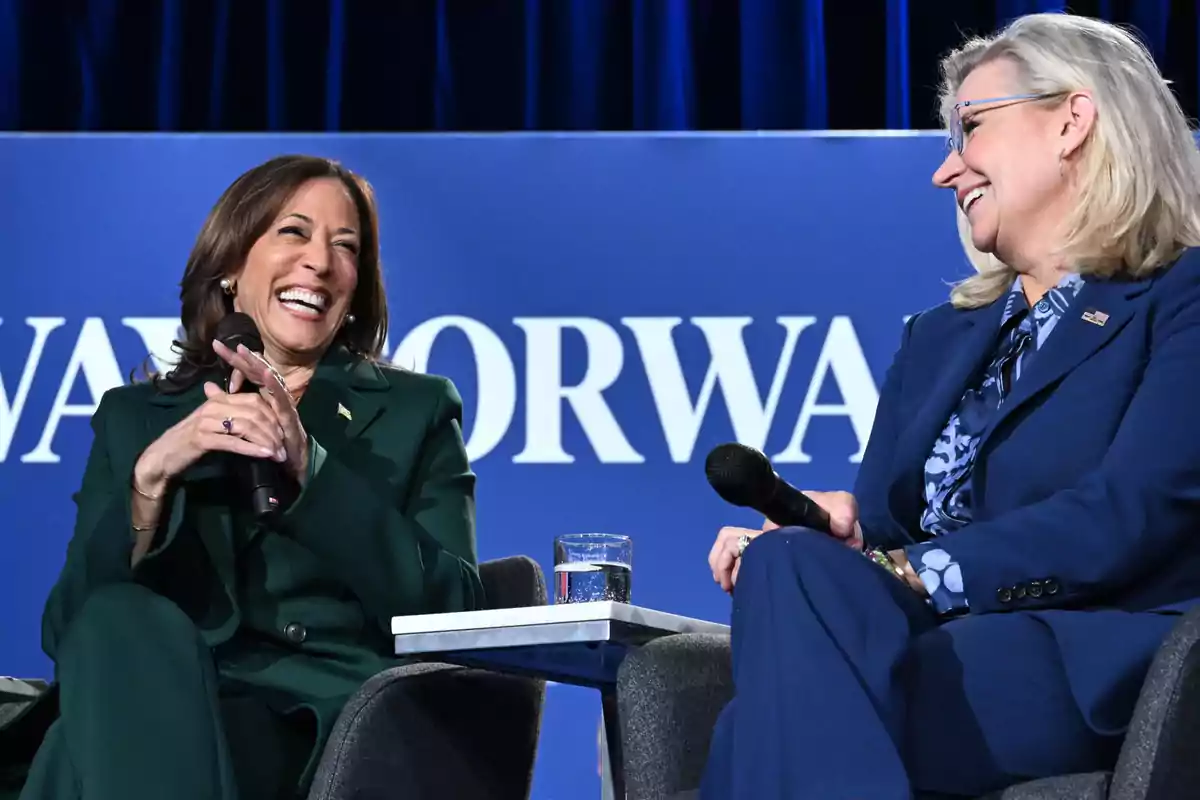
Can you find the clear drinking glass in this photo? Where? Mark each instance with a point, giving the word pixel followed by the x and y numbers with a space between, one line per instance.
pixel 590 567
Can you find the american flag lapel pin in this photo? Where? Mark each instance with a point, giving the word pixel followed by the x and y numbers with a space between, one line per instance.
pixel 1095 317
pixel 345 412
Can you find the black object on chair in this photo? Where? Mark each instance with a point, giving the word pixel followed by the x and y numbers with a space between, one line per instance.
pixel 22 723
pixel 479 728
pixel 670 692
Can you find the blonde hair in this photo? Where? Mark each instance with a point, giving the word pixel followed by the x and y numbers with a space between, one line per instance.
pixel 1138 174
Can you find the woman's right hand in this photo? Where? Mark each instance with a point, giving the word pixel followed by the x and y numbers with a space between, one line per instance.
pixel 843 516
pixel 254 431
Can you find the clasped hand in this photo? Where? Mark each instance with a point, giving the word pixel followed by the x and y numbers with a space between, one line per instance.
pixel 725 556
pixel 263 424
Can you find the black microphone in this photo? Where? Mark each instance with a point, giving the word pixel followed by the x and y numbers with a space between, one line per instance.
pixel 744 476
pixel 259 475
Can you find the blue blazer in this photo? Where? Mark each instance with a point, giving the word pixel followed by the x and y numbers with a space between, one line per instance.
pixel 1086 489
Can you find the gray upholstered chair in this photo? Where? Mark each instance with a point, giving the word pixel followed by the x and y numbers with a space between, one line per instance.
pixel 670 692
pixel 480 729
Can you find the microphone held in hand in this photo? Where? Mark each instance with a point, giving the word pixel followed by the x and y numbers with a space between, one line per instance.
pixel 744 476
pixel 261 476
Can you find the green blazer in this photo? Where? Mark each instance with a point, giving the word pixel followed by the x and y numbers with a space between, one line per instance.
pixel 385 526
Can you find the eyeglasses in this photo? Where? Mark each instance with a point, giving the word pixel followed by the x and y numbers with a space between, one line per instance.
pixel 956 141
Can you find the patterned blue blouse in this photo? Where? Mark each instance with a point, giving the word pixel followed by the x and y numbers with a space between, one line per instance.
pixel 948 469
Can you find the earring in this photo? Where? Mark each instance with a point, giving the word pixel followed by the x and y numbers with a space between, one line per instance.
pixel 349 320
pixel 228 286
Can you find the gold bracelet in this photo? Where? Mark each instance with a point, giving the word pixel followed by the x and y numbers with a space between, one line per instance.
pixel 143 529
pixel 133 483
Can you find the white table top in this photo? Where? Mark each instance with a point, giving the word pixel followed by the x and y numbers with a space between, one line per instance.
pixel 573 642
pixel 603 611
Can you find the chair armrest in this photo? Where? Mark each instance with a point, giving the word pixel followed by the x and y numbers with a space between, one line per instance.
pixel 669 694
pixel 434 730
pixel 513 582
pixel 18 689
pixel 26 713
pixel 1160 758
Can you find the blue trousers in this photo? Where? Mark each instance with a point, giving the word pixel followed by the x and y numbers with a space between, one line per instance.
pixel 848 687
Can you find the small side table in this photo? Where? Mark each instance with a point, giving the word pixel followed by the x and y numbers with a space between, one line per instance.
pixel 575 643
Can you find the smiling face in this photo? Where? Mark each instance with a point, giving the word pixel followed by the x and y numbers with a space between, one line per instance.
pixel 299 278
pixel 1010 179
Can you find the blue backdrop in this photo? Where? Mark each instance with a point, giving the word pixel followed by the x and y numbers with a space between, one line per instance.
pixel 610 306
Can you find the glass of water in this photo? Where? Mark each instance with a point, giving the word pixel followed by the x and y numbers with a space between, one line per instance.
pixel 590 567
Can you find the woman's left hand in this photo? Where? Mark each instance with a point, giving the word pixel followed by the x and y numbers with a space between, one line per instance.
pixel 256 369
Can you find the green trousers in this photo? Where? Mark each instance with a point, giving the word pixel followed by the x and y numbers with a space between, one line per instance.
pixel 145 714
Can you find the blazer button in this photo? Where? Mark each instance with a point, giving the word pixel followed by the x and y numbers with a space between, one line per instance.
pixel 1051 586
pixel 1035 589
pixel 295 632
pixel 1004 594
pixel 1019 591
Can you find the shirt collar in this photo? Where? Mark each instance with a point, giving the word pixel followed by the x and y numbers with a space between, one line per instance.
pixel 1053 305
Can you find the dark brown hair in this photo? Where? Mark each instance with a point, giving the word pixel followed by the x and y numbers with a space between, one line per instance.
pixel 240 217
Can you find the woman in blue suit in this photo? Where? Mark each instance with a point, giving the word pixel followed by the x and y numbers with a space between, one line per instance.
pixel 1029 503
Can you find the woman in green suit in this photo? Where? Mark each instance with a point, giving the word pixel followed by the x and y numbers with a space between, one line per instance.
pixel 200 653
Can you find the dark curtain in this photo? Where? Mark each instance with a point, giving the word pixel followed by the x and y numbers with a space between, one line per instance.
pixel 493 65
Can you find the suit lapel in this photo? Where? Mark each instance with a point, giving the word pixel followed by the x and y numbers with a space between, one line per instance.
pixel 1076 336
pixel 972 341
pixel 345 397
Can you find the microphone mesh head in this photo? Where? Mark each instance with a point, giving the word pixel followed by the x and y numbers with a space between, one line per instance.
pixel 238 328
pixel 740 474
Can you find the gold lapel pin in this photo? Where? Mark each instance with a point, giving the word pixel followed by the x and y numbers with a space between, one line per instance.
pixel 1095 317
pixel 345 412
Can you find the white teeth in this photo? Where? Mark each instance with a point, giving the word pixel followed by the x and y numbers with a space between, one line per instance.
pixel 314 299
pixel 972 196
